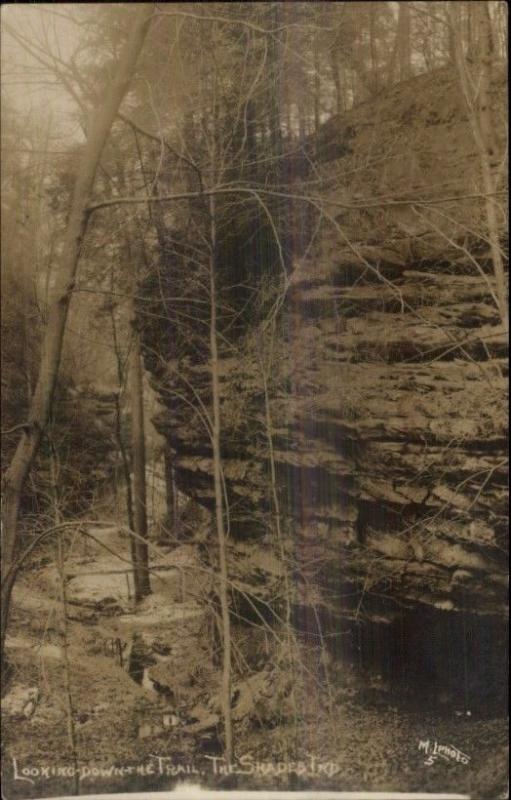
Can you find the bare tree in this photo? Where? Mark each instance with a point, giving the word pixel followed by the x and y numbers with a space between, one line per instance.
pixel 16 475
pixel 219 498
pixel 171 496
pixel 476 85
pixel 136 396
pixel 403 41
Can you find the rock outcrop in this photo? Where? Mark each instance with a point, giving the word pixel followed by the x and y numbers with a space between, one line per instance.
pixel 384 414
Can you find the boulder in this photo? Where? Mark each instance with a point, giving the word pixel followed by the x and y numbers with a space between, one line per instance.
pixel 21 702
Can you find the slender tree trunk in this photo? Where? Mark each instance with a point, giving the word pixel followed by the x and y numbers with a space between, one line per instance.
pixel 60 564
pixel 219 504
pixel 375 76
pixel 289 124
pixel 336 77
pixel 403 41
pixel 135 257
pixel 470 19
pixel 277 514
pixel 302 125
pixel 170 493
pixel 355 87
pixel 481 120
pixel 125 461
pixel 274 104
pixel 136 394
pixel 451 46
pixel 317 89
pixel 71 732
pixel 391 65
pixel 30 441
pixel 251 145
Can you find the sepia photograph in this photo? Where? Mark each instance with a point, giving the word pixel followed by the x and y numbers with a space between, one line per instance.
pixel 254 318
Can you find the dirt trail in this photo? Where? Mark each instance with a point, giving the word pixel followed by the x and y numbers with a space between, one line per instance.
pixel 142 684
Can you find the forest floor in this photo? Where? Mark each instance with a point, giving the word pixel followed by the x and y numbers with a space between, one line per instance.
pixel 145 722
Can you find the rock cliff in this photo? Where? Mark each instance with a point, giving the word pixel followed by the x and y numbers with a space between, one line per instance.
pixel 384 413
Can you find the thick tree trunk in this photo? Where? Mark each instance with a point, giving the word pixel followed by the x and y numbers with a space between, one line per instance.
pixel 28 446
